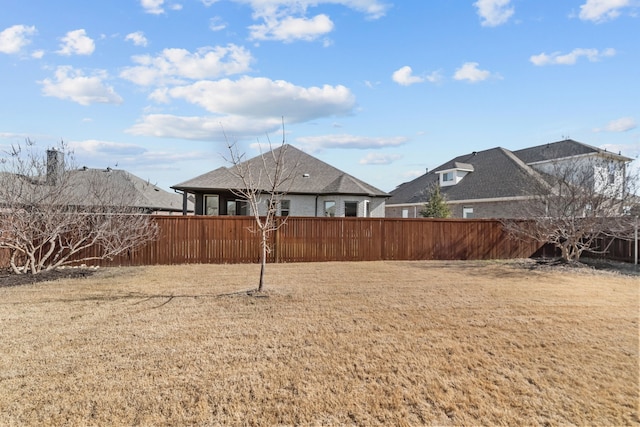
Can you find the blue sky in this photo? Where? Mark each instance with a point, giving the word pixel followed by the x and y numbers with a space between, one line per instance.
pixel 381 89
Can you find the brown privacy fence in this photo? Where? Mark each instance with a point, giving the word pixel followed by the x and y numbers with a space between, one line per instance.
pixel 615 249
pixel 227 240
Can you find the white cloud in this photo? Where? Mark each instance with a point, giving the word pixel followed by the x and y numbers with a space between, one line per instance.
pixel 76 43
pixel 286 20
pixel 623 124
pixel 99 153
pixel 290 29
pixel 374 9
pixel 434 77
pixel 494 12
pixel 318 143
pixel 379 159
pixel 14 38
pixel 37 54
pixel 153 7
pixel 97 148
pixel 137 38
pixel 470 72
pixel 85 90
pixel 203 128
pixel 572 57
pixel 175 65
pixel 404 76
pixel 217 24
pixel 602 10
pixel 265 98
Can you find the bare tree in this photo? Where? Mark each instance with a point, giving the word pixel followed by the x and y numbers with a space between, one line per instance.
pixel 51 215
pixel 576 203
pixel 265 180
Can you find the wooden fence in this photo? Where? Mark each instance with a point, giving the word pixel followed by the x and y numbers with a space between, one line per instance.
pixel 220 240
pixel 229 240
pixel 615 249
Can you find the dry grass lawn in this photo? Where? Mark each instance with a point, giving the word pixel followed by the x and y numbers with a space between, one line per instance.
pixel 376 343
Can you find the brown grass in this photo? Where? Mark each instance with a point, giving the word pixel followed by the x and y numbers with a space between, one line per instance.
pixel 393 343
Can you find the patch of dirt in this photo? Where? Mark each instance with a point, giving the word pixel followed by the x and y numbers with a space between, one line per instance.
pixel 8 278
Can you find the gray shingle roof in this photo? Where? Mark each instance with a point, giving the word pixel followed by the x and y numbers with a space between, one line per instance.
pixel 97 187
pixel 312 176
pixel 141 193
pixel 497 173
pixel 561 150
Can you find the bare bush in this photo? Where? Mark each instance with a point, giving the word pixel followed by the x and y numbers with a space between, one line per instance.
pixel 577 202
pixel 52 215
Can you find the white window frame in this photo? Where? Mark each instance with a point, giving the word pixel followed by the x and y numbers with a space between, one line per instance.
pixel 285 211
pixel 334 205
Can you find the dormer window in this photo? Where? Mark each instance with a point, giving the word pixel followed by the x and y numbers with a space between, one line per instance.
pixel 455 174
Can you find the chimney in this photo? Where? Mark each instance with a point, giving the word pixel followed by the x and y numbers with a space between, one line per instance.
pixel 55 161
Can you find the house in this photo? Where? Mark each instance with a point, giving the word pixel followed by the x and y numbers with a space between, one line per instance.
pixel 88 187
pixel 493 183
pixel 140 194
pixel 316 188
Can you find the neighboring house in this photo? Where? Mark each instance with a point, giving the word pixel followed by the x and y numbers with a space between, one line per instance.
pixel 494 183
pixel 317 189
pixel 141 194
pixel 87 187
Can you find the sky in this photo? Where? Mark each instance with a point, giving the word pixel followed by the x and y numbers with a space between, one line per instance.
pixel 381 89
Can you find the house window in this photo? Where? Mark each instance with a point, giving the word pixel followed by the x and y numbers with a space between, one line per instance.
pixel 405 213
pixel 612 173
pixel 467 212
pixel 350 208
pixel 231 207
pixel 285 207
pixel 211 205
pixel 329 208
pixel 367 209
pixel 237 207
pixel 447 176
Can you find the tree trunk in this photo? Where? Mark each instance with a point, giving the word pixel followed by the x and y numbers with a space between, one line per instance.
pixel 263 261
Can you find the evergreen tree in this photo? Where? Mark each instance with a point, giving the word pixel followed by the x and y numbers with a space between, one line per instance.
pixel 437 206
